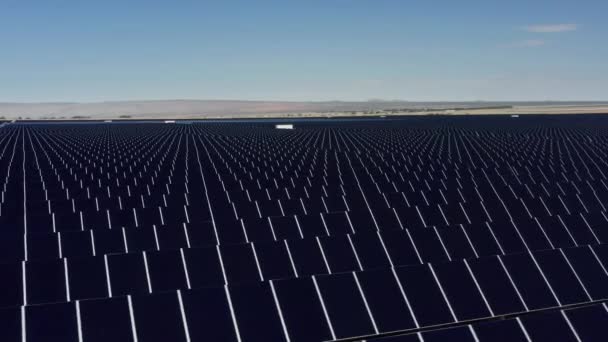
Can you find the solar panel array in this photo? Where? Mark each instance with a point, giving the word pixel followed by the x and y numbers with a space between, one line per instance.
pixel 405 229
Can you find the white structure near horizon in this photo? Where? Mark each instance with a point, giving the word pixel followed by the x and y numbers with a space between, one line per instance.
pixel 284 126
pixel 515 115
pixel 169 121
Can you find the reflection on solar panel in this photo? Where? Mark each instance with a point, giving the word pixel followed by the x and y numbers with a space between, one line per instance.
pixel 395 229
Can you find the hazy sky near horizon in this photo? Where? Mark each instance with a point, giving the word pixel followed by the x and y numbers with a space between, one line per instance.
pixel 427 50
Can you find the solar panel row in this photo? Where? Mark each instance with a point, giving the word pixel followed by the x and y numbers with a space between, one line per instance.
pixel 424 229
pixel 577 324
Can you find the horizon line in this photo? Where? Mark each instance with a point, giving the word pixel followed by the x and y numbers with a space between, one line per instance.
pixel 296 101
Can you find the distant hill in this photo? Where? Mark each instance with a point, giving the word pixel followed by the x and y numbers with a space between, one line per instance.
pixel 220 108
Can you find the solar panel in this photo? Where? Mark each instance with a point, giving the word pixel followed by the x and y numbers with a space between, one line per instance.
pixel 393 229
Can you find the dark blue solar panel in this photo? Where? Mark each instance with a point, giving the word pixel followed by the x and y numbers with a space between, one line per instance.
pixel 346 228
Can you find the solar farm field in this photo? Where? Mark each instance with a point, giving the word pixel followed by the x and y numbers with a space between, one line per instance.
pixel 403 229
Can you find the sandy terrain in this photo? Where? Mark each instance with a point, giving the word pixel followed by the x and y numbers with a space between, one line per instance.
pixel 597 109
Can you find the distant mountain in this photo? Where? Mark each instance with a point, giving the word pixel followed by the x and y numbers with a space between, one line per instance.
pixel 168 108
pixel 223 108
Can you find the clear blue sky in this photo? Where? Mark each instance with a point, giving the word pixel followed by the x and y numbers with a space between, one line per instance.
pixel 63 50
